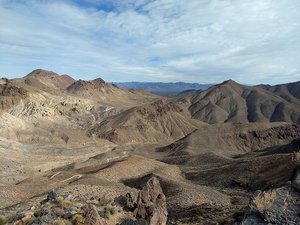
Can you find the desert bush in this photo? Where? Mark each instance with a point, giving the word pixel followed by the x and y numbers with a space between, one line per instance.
pixel 104 201
pixel 39 212
pixel 58 211
pixel 105 213
pixel 63 203
pixel 78 219
pixel 60 222
pixel 3 220
pixel 112 210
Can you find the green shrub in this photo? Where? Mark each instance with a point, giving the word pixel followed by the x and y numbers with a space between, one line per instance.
pixel 104 201
pixel 3 220
pixel 106 213
pixel 59 222
pixel 63 203
pixel 38 212
pixel 78 219
pixel 112 211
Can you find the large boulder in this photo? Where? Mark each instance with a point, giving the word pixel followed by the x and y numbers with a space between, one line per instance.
pixel 151 203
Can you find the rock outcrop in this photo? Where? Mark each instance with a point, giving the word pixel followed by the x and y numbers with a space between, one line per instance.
pixel 92 216
pixel 151 203
pixel 130 204
pixel 277 206
pixel 150 209
pixel 10 90
pixel 48 80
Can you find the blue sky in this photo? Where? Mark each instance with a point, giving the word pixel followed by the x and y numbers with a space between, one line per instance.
pixel 204 41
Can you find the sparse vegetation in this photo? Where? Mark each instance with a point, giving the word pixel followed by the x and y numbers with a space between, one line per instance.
pixel 61 222
pixel 63 203
pixel 112 210
pixel 107 211
pixel 3 220
pixel 39 212
pixel 103 201
pixel 78 219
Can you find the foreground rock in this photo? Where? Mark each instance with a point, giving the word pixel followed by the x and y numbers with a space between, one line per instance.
pixel 92 216
pixel 149 209
pixel 278 206
pixel 151 203
pixel 58 210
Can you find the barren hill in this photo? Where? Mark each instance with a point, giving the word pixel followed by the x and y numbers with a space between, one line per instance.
pixel 220 141
pixel 108 93
pixel 47 80
pixel 154 122
pixel 41 108
pixel 90 86
pixel 232 102
pixel 290 91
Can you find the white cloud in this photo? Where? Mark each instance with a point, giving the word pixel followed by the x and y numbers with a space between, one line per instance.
pixel 197 40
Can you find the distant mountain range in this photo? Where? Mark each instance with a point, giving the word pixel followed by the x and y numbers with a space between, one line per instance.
pixel 160 88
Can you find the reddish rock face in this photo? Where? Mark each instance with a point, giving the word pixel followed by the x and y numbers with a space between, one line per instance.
pixel 151 203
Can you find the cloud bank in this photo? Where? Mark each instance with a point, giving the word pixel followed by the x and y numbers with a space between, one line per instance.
pixel 204 41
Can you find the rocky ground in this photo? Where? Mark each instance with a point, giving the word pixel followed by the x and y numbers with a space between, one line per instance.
pixel 149 207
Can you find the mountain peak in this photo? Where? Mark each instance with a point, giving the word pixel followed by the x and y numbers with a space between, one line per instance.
pixel 44 79
pixel 98 80
pixel 230 82
pixel 41 72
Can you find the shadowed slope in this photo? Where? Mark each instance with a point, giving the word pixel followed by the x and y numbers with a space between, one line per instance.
pixel 219 142
pixel 290 91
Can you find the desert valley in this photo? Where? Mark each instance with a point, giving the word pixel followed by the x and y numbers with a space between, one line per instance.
pixel 90 152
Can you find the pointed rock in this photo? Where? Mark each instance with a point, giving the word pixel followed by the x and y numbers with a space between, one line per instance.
pixel 151 203
pixel 91 216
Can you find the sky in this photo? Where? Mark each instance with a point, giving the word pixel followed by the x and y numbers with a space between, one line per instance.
pixel 203 41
